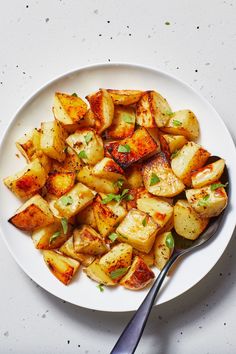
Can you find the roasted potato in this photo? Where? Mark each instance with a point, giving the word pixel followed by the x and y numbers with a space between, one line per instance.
pixel 87 217
pixel 68 109
pixel 147 258
pixel 138 229
pixel 102 107
pixel 29 144
pixel 107 168
pixel 87 240
pixel 144 115
pixel 183 122
pixel 28 181
pixel 52 141
pixel 208 201
pixel 163 249
pixel 59 183
pixel 100 185
pixel 139 146
pixel 107 216
pixel 207 174
pixel 138 276
pixel 170 144
pixel 75 200
pixel 123 123
pixel 72 163
pixel 159 178
pixel 95 272
pixel 68 249
pixel 134 176
pixel 125 97
pixel 191 157
pixel 87 144
pixel 116 262
pixel 64 268
pixel 51 236
pixel 33 214
pixel 88 120
pixel 187 222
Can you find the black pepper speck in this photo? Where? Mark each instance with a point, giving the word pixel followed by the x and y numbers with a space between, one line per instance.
pixel 68 342
pixel 46 19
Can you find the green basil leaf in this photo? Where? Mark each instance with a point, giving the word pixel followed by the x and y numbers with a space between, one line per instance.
pixel 119 183
pixel 66 200
pixel 64 223
pixel 82 155
pixel 100 287
pixel 74 94
pixel 113 236
pixel 124 148
pixel 144 222
pixel 128 119
pixel 204 201
pixel 215 186
pixel 118 272
pixel 154 179
pixel 170 242
pixel 88 137
pixel 176 123
pixel 54 237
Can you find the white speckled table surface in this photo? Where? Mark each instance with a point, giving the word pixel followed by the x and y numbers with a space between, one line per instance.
pixel 195 41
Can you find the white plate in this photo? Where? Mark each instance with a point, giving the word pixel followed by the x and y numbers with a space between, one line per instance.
pixel 214 137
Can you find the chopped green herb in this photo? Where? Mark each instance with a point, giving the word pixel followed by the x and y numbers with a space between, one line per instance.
pixel 74 94
pixel 64 223
pixel 113 236
pixel 129 197
pixel 100 287
pixel 215 186
pixel 169 113
pixel 124 148
pixel 54 237
pixel 204 201
pixel 128 119
pixel 117 197
pixel 154 179
pixel 119 183
pixel 144 222
pixel 167 23
pixel 66 148
pixel 176 123
pixel 170 242
pixel 174 154
pixel 118 272
pixel 66 200
pixel 88 137
pixel 82 155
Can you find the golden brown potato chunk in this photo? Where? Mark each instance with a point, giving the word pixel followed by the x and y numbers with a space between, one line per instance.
pixel 88 241
pixel 95 272
pixel 59 183
pixel 52 140
pixel 123 123
pixel 68 249
pixel 72 163
pixel 134 175
pixel 68 109
pixel 125 97
pixel 87 217
pixel 50 236
pixel 107 168
pixel 170 144
pixel 29 144
pixel 163 249
pixel 208 174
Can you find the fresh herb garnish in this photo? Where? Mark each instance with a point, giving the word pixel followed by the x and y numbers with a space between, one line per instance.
pixel 176 123
pixel 144 222
pixel 88 137
pixel 82 155
pixel 119 183
pixel 170 242
pixel 167 23
pixel 65 149
pixel 64 223
pixel 204 200
pixel 124 148
pixel 154 179
pixel 118 272
pixel 169 113
pixel 66 200
pixel 215 186
pixel 117 197
pixel 54 237
pixel 128 119
pixel 100 287
pixel 113 236
pixel 174 154
pixel 74 94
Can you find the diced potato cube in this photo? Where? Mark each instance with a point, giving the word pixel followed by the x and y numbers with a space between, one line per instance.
pixel 52 140
pixel 75 200
pixel 144 114
pixel 138 276
pixel 28 181
pixel 95 272
pixel 183 122
pixel 100 185
pixel 162 249
pixel 88 120
pixel 59 183
pixel 88 241
pixel 29 144
pixel 33 214
pixel 147 258
pixel 208 174
pixel 103 108
pixel 108 169
pixel 72 163
pixel 191 157
pixel 170 144
pixel 68 249
pixel 160 210
pixel 64 268
pixel 125 97
pixel 45 161
pixel 123 123
pixel 115 263
pixel 134 176
pixel 138 229
pixel 68 109
pixel 159 179
pixel 87 144
pixel 51 236
pixel 139 146
pixel 207 202
pixel 86 216
pixel 187 222
pixel 107 216
pixel 154 132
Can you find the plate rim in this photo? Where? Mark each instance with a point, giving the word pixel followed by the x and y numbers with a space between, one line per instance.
pixel 72 72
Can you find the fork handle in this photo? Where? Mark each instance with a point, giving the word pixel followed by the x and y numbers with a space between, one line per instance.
pixel 130 337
